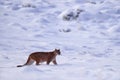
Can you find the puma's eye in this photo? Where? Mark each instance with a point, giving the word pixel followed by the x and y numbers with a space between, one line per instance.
pixel 59 53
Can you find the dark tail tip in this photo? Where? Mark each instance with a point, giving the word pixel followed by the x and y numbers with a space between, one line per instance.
pixel 20 66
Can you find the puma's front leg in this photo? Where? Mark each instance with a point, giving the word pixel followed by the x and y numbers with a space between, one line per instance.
pixel 54 62
pixel 48 62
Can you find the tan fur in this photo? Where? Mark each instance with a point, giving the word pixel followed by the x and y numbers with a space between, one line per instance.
pixel 40 57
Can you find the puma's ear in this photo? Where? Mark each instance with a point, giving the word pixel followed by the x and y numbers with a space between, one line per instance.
pixel 55 49
pixel 58 49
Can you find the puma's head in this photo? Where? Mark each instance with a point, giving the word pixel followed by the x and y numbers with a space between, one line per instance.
pixel 58 51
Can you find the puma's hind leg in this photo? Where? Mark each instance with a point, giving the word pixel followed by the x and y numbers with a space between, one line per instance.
pixel 37 62
pixel 48 62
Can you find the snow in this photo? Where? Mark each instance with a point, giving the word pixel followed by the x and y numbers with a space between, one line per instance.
pixel 89 44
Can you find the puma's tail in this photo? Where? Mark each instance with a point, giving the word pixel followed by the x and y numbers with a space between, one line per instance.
pixel 20 65
pixel 27 63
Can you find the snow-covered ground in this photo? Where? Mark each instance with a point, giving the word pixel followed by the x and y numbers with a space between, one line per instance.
pixel 89 42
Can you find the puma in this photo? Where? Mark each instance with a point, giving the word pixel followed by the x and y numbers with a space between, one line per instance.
pixel 40 57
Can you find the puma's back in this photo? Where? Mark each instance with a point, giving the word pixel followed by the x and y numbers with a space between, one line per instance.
pixel 40 57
